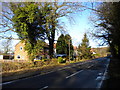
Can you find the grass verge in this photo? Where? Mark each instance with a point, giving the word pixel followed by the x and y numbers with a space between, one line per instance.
pixel 18 70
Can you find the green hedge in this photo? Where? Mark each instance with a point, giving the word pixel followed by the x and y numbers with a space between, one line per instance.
pixel 61 60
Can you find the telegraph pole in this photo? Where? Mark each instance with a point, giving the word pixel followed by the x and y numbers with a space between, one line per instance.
pixel 69 50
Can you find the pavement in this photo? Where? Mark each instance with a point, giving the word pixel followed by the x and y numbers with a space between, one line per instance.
pixel 90 74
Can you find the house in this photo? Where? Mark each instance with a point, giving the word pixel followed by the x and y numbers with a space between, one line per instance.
pixel 75 53
pixel 92 51
pixel 21 54
pixel 54 49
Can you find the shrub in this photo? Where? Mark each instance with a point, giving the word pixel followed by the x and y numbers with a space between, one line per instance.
pixel 44 60
pixel 72 59
pixel 61 60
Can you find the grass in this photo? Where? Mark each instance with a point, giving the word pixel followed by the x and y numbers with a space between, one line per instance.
pixel 16 66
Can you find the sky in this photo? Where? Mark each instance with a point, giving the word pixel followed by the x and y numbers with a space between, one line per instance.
pixel 79 25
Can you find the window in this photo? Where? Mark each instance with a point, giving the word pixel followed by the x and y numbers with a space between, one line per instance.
pixel 18 56
pixel 21 48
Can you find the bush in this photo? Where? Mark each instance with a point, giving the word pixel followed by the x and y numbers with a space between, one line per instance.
pixel 72 59
pixel 61 60
pixel 44 60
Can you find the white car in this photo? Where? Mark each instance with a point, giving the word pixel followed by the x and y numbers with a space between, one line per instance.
pixel 61 55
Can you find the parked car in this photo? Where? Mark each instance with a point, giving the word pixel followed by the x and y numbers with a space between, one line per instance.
pixel 38 58
pixel 61 55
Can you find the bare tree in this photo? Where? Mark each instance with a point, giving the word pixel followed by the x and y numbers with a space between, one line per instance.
pixel 6 46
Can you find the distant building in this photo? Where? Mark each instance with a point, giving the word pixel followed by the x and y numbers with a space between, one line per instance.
pixel 92 51
pixel 6 57
pixel 75 53
pixel 55 49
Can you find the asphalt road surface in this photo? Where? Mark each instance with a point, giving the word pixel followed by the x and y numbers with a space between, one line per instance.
pixel 89 74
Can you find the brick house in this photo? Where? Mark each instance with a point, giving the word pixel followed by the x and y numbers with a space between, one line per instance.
pixel 20 53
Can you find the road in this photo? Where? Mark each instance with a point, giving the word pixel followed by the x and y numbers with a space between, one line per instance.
pixel 88 74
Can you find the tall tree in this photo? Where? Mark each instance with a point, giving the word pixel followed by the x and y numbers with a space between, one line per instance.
pixel 64 44
pixel 108 26
pixel 84 48
pixel 61 45
pixel 37 19
pixel 37 50
pixel 27 24
pixel 55 11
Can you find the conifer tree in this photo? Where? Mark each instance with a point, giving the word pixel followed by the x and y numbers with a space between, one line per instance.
pixel 84 48
pixel 63 43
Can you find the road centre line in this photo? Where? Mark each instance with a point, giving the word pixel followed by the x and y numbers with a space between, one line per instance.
pixel 43 88
pixel 45 73
pixel 74 74
pixel 90 66
pixel 41 74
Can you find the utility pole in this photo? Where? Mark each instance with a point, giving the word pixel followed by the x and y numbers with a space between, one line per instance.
pixel 69 50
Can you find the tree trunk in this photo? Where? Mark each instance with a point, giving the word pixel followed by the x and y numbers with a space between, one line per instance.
pixel 51 51
pixel 51 43
pixel 119 51
pixel 113 51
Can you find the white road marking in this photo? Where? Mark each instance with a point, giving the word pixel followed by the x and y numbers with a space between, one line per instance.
pixel 24 78
pixel 74 74
pixel 100 74
pixel 42 74
pixel 63 68
pixel 45 73
pixel 99 78
pixel 6 83
pixel 103 77
pixel 44 87
pixel 90 66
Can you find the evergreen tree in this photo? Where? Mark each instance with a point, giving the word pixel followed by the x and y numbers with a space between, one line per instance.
pixel 63 43
pixel 28 25
pixel 84 48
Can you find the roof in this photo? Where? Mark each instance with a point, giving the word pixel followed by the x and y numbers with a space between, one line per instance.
pixel 54 45
pixel 6 54
pixel 74 47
